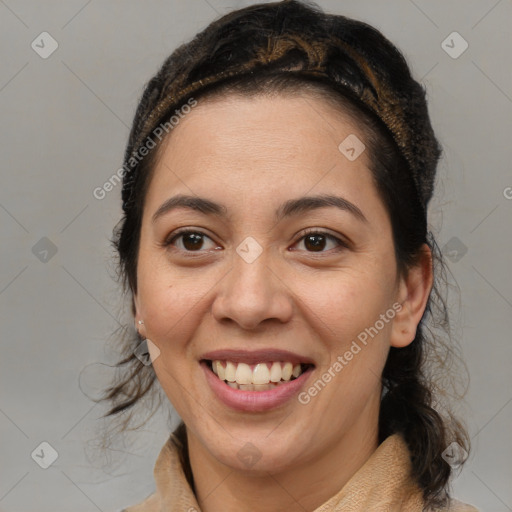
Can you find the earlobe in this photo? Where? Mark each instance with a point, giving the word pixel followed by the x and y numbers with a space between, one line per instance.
pixel 413 294
pixel 140 327
pixel 139 322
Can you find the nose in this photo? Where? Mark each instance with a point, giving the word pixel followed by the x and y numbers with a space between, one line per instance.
pixel 252 293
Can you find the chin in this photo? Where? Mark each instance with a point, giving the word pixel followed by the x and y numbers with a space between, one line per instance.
pixel 255 450
pixel 257 459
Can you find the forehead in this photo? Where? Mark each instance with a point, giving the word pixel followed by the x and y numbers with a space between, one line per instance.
pixel 279 117
pixel 263 146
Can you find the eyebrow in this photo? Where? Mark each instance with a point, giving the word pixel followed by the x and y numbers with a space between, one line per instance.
pixel 287 209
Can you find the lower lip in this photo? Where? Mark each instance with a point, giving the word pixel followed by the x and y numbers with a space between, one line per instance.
pixel 254 401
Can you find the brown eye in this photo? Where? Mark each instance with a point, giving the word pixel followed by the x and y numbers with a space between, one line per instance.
pixel 316 241
pixel 191 241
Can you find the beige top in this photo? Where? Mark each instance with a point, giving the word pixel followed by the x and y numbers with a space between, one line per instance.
pixel 382 484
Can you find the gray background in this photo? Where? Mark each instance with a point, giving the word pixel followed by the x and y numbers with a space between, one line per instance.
pixel 65 121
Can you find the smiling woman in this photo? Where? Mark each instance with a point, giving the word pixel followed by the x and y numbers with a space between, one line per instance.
pixel 275 247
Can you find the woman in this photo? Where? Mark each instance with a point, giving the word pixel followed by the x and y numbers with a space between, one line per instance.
pixel 275 247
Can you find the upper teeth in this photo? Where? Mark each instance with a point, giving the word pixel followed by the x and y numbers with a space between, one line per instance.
pixel 261 373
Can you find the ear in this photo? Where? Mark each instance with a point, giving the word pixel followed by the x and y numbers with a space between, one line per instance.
pixel 413 292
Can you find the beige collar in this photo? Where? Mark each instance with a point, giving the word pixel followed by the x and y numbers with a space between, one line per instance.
pixel 382 484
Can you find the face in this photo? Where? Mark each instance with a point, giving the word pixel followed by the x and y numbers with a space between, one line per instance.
pixel 254 275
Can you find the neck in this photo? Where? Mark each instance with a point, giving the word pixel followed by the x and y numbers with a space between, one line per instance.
pixel 303 487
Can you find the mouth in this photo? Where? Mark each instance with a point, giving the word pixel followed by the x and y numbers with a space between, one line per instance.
pixel 256 381
pixel 260 376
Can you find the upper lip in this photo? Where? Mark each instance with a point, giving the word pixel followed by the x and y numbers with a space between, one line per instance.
pixel 256 356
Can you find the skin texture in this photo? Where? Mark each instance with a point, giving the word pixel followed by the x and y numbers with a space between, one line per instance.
pixel 251 155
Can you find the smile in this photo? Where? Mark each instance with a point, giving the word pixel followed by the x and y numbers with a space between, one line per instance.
pixel 255 382
pixel 261 376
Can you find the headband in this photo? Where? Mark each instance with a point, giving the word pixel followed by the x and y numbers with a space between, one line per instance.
pixel 405 117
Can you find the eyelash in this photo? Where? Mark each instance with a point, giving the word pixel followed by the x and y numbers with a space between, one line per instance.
pixel 310 231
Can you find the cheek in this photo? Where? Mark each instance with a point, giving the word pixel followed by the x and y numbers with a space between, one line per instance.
pixel 349 300
pixel 160 302
pixel 172 302
pixel 168 310
pixel 346 309
pixel 171 306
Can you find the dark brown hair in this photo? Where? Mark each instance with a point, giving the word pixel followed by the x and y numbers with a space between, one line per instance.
pixel 292 47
